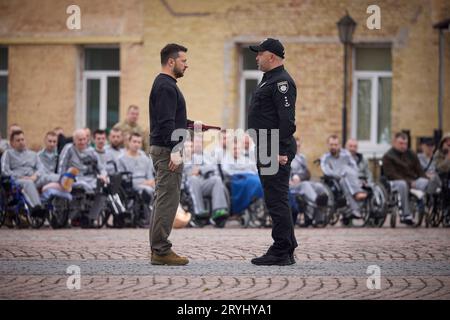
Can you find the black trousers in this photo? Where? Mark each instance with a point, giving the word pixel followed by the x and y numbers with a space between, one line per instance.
pixel 276 195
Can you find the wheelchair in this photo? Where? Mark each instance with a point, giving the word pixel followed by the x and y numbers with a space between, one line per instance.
pixel 321 209
pixel 439 204
pixel 14 207
pixel 187 203
pixel 126 207
pixel 256 215
pixel 373 208
pixel 417 202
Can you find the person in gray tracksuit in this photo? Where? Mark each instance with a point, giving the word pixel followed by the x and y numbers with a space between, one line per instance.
pixel 201 178
pixel 135 161
pixel 24 167
pixel 300 182
pixel 49 159
pixel 87 161
pixel 340 165
pixel 112 151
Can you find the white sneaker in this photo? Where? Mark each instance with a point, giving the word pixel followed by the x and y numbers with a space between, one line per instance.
pixel 419 194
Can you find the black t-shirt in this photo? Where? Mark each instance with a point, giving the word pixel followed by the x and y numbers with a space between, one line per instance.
pixel 167 111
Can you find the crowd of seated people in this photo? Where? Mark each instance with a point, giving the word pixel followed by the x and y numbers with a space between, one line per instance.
pixel 227 176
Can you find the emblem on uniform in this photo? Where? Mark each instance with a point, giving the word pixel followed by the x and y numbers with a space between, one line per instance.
pixel 283 86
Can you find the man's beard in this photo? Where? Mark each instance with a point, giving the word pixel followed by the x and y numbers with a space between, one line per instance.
pixel 178 73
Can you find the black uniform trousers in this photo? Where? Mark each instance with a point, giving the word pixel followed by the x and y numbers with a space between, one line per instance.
pixel 276 195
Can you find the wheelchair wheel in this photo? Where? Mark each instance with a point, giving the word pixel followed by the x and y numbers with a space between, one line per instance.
pixel 332 214
pixel 417 209
pixel 378 206
pixel 321 218
pixel 58 213
pixel 101 220
pixel 2 213
pixel 394 214
pixel 446 218
pixel 21 218
pixel 36 221
pixel 434 213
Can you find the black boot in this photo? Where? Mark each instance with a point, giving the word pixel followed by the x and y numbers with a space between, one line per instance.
pixel 271 260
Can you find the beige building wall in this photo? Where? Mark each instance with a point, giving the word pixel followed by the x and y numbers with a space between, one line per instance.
pixel 42 89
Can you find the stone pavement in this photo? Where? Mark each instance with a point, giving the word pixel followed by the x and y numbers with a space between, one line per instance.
pixel 331 264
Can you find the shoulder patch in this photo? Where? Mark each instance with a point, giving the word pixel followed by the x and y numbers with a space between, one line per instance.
pixel 283 86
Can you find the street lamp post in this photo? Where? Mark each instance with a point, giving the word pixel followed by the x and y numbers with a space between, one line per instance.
pixel 346 26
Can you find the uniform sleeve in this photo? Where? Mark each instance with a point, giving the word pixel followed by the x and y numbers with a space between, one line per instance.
pixel 165 109
pixel 284 97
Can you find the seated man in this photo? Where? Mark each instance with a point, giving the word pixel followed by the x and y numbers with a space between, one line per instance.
pixel 443 155
pixel 86 160
pixel 100 144
pixel 202 180
pixel 300 183
pixel 245 183
pixel 24 167
pixel 135 161
pixel 427 162
pixel 364 172
pixel 48 157
pixel 402 167
pixel 114 150
pixel 340 165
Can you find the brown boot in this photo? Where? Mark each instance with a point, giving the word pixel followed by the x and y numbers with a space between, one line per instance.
pixel 170 259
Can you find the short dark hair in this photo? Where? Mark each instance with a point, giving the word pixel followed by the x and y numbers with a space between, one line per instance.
pixel 401 135
pixel 99 132
pixel 332 136
pixel 171 51
pixel 51 133
pixel 14 134
pixel 134 134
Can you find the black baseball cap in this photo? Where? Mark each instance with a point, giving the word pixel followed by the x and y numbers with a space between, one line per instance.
pixel 270 44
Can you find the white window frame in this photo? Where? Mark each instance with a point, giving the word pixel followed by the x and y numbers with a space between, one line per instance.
pixel 245 75
pixel 370 147
pixel 103 77
pixel 5 73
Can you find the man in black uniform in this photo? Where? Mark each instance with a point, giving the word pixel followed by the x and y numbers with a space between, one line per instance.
pixel 273 108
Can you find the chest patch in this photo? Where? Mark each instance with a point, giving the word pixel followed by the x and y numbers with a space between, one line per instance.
pixel 283 86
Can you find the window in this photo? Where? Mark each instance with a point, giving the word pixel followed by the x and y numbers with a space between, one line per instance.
pixel 372 89
pixel 3 91
pixel 250 77
pixel 101 84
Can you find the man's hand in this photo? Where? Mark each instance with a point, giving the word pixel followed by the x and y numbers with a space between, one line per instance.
pixel 196 171
pixel 295 180
pixel 104 179
pixel 282 160
pixel 150 183
pixel 32 178
pixel 175 161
